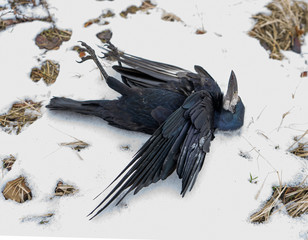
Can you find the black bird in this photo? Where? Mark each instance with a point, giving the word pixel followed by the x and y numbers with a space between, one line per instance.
pixel 181 110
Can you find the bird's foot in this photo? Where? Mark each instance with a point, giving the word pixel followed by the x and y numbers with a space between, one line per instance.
pixel 111 52
pixel 86 48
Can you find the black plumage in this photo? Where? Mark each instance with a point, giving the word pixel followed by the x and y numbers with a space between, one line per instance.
pixel 179 108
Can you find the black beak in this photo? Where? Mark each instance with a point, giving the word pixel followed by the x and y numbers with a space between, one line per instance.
pixel 231 98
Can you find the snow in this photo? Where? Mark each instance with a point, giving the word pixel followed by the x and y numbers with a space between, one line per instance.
pixel 222 199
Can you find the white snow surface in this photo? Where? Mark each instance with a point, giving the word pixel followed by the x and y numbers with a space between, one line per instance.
pixel 223 199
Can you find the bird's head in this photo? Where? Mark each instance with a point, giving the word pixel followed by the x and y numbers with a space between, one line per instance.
pixel 231 116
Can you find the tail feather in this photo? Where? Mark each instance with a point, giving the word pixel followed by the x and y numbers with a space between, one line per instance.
pixel 83 107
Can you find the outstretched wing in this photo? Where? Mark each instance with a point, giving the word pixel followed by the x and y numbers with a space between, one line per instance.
pixel 180 143
pixel 146 73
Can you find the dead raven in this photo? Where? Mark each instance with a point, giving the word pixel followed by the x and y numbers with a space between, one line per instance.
pixel 179 108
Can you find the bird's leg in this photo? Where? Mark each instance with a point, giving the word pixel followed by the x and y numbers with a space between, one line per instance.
pixel 92 56
pixel 112 51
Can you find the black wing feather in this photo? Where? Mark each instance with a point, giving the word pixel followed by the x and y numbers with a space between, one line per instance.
pixel 177 144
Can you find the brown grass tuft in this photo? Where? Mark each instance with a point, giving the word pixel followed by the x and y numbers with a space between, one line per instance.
pixel 64 189
pixel 145 6
pixel 49 72
pixel 299 147
pixel 283 28
pixel 269 208
pixel 21 114
pixel 17 190
pixel 294 199
pixel 8 162
pixel 52 38
pixel 77 145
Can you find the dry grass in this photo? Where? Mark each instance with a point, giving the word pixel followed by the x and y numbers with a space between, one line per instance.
pixel 299 148
pixel 294 199
pixel 283 28
pixel 100 20
pixel 77 145
pixel 17 190
pixel 8 162
pixel 21 114
pixel 41 219
pixel 52 38
pixel 269 208
pixel 64 189
pixel 145 6
pixel 49 72
pixel 16 7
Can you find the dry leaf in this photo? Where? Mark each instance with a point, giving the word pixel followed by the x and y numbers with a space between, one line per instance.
pixel 82 54
pixel 304 74
pixel 104 36
pixel 88 23
pixel 200 31
pixel 17 190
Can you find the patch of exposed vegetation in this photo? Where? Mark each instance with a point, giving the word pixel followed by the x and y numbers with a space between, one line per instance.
pixel 21 114
pixel 64 189
pixel 52 38
pixel 283 28
pixel 253 180
pixel 304 74
pixel 293 199
pixel 16 8
pixel 105 36
pixel 145 7
pixel 125 147
pixel 49 71
pixel 17 190
pixel 8 162
pixel 301 150
pixel 41 219
pixel 79 50
pixel 170 17
pixel 100 20
pixel 77 145
pixel 200 31
pixel 300 146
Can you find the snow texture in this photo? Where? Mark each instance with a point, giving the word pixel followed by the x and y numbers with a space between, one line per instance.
pixel 222 199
